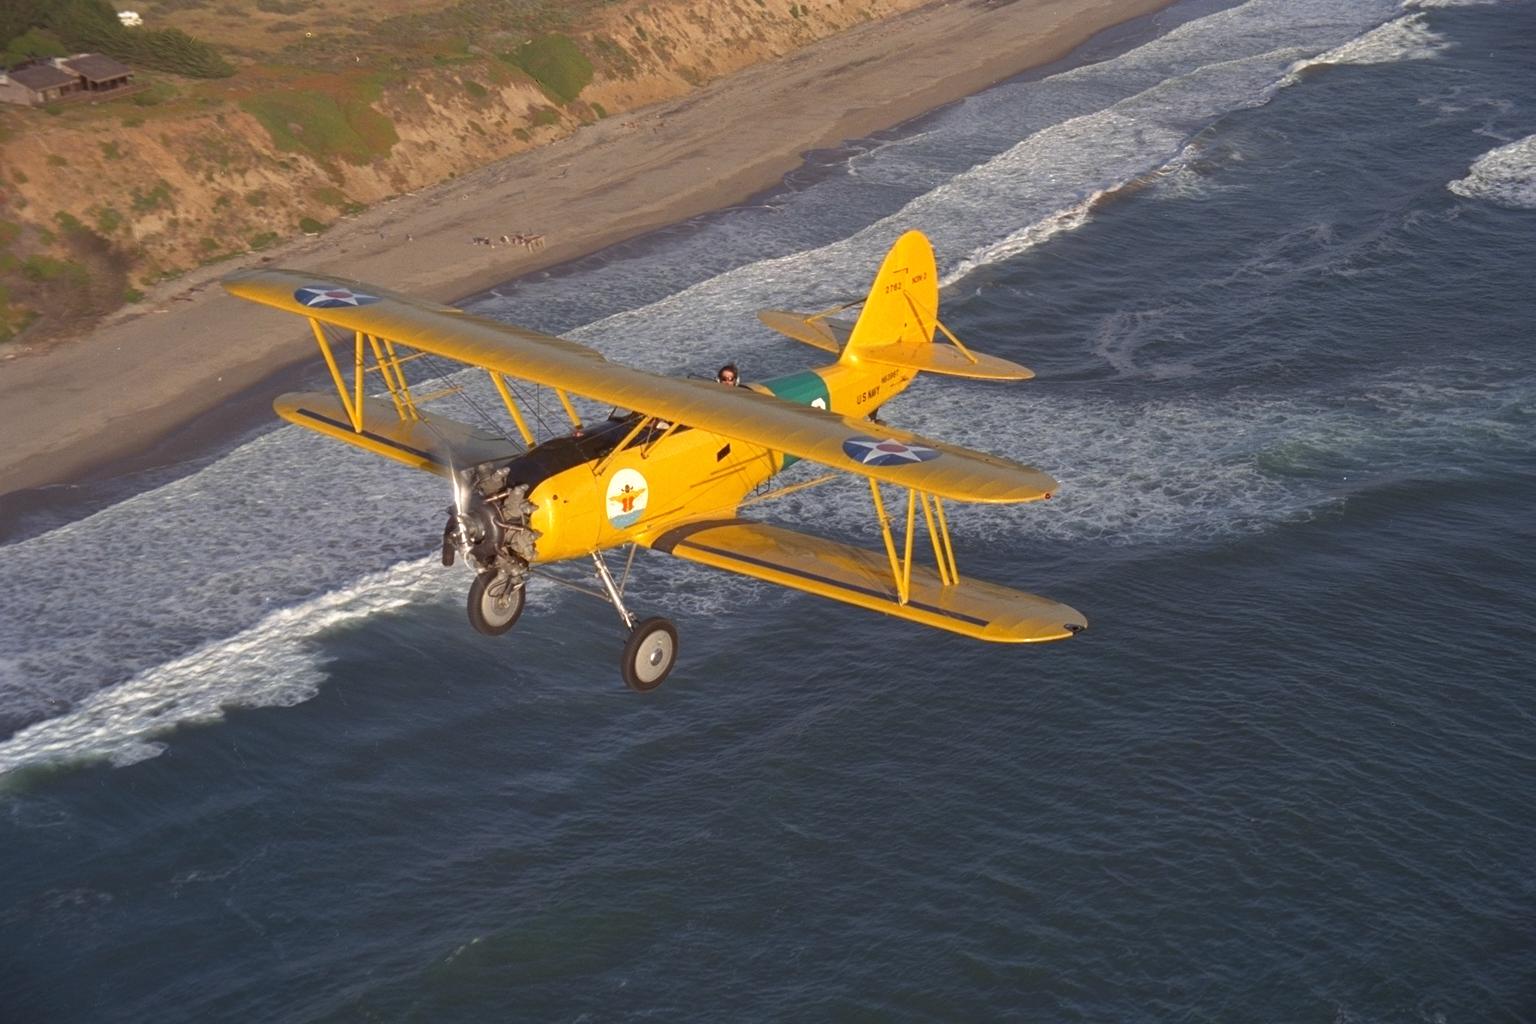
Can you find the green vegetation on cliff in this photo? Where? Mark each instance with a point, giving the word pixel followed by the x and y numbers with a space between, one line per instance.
pixel 555 63
pixel 47 27
pixel 325 124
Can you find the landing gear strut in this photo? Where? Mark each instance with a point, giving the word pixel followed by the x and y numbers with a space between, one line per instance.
pixel 651 650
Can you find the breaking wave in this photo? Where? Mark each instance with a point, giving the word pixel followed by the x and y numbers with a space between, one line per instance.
pixel 1407 38
pixel 1506 176
pixel 222 581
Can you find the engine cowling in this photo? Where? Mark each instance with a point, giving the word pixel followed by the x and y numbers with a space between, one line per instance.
pixel 491 522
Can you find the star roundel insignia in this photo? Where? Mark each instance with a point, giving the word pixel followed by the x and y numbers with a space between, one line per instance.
pixel 321 297
pixel 872 451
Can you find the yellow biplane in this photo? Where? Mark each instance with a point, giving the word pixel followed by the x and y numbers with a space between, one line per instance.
pixel 673 474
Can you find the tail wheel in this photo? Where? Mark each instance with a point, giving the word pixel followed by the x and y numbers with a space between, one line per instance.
pixel 495 602
pixel 649 654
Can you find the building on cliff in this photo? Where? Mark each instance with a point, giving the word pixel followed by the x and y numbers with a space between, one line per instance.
pixel 43 81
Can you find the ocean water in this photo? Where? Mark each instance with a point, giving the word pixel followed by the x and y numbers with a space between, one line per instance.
pixel 1273 264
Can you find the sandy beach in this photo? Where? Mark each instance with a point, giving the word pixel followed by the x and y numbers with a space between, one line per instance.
pixel 156 381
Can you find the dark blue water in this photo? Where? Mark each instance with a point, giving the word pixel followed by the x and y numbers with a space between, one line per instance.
pixel 1280 313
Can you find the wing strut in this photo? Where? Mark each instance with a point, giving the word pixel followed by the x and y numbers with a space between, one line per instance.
pixel 386 362
pixel 405 408
pixel 506 398
pixel 353 408
pixel 569 409
pixel 938 536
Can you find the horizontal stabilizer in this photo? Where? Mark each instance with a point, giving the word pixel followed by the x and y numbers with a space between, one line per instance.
pixel 433 443
pixel 948 360
pixel 812 328
pixel 974 608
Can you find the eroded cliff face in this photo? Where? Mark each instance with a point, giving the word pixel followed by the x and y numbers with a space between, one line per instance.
pixel 133 193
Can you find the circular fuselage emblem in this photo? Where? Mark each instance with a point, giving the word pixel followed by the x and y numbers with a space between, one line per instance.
pixel 627 494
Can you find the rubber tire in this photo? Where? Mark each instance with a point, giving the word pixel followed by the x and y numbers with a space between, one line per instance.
pixel 484 614
pixel 649 654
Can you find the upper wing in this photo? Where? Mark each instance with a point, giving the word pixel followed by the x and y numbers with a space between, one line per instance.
pixel 842 442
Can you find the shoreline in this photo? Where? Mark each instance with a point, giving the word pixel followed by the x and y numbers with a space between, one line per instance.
pixel 145 390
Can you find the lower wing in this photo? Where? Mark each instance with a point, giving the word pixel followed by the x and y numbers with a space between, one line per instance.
pixel 432 443
pixel 974 608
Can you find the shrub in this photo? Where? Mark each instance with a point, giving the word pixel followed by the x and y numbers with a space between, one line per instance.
pixel 156 94
pixel 34 42
pixel 555 63
pixel 310 226
pixel 615 58
pixel 154 199
pixel 13 320
pixel 108 219
pixel 93 25
pixel 44 269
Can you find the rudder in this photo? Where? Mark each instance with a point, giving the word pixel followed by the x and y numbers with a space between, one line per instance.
pixel 901 313
pixel 903 303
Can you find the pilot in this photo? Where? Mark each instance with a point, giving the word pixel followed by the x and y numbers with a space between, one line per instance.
pixel 728 375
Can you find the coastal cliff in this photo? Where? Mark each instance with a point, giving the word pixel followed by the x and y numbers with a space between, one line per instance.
pixel 99 201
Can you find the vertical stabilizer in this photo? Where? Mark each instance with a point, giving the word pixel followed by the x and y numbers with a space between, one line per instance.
pixel 901 314
pixel 903 304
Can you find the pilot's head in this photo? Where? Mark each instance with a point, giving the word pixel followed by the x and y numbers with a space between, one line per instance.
pixel 728 375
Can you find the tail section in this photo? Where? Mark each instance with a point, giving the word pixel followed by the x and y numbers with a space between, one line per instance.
pixel 897 324
pixel 902 307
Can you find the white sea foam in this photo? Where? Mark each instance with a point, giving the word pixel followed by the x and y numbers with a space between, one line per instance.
pixel 1184 469
pixel 271 664
pixel 1085 132
pixel 1431 4
pixel 208 592
pixel 1194 469
pixel 1506 176
pixel 281 520
pixel 1406 38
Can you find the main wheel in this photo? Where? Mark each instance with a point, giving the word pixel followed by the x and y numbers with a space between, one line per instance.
pixel 495 602
pixel 649 654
